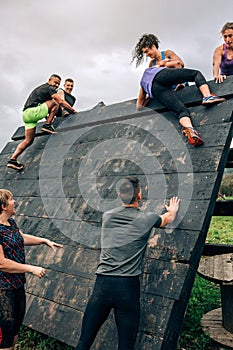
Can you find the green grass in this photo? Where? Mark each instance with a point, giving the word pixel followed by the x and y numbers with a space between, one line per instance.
pixel 220 230
pixel 32 340
pixel 205 297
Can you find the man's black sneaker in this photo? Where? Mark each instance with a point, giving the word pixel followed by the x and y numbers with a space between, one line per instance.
pixel 48 128
pixel 14 164
pixel 65 113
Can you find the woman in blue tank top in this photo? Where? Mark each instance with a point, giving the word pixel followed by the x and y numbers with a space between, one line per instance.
pixel 223 55
pixel 157 82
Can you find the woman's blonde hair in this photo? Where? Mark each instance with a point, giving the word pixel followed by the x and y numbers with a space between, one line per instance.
pixel 228 25
pixel 5 195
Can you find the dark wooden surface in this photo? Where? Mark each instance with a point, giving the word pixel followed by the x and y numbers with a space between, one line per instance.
pixel 85 160
pixel 229 163
pixel 223 208
pixel 216 249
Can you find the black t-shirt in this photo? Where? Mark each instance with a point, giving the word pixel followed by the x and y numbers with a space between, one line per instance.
pixel 68 97
pixel 40 94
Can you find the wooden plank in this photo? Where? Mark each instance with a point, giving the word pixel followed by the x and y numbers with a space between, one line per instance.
pixel 79 212
pixel 216 249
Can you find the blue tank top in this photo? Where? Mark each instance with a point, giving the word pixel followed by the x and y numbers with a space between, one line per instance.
pixel 162 55
pixel 148 77
pixel 226 66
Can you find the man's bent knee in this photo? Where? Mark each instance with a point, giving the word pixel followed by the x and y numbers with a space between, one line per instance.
pixel 52 104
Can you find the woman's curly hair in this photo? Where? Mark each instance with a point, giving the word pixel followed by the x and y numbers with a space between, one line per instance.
pixel 147 40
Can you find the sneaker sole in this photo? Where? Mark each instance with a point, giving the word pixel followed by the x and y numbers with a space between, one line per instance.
pixel 197 142
pixel 15 167
pixel 206 103
pixel 49 131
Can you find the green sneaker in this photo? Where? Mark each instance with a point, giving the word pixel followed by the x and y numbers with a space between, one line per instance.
pixel 49 128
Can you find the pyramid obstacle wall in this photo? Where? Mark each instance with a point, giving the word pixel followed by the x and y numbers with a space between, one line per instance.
pixel 72 177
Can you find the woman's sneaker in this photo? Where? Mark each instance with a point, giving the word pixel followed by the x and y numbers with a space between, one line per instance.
pixel 192 136
pixel 14 164
pixel 212 99
pixel 49 128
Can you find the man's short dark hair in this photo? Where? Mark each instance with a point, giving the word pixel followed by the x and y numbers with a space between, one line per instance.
pixel 55 76
pixel 129 189
pixel 70 80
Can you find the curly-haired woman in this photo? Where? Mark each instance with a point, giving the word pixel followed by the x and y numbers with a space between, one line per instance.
pixel 157 81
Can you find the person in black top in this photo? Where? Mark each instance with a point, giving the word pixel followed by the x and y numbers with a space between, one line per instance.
pixel 124 237
pixel 43 102
pixel 65 94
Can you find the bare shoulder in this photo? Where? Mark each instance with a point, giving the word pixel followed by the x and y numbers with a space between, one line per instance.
pixel 169 53
pixel 219 50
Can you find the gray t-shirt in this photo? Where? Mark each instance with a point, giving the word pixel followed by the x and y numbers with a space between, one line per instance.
pixel 125 232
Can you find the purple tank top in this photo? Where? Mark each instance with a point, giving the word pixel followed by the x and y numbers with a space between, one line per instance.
pixel 148 77
pixel 226 66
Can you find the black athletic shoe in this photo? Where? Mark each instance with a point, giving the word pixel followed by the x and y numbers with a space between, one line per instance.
pixel 14 164
pixel 65 113
pixel 49 128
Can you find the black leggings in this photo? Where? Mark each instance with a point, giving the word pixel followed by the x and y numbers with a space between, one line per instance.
pixel 12 310
pixel 123 295
pixel 163 81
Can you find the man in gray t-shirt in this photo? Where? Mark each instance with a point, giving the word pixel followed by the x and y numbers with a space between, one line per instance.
pixel 124 237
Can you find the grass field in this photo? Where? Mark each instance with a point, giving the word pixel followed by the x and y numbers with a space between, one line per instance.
pixel 205 297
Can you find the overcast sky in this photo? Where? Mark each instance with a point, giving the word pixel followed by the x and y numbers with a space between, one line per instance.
pixel 92 42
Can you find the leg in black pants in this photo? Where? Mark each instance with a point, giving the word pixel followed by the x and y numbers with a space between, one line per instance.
pixel 96 313
pixel 162 92
pixel 120 293
pixel 127 313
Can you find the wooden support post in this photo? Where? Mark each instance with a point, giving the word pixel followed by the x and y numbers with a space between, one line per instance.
pixel 218 324
pixel 227 306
